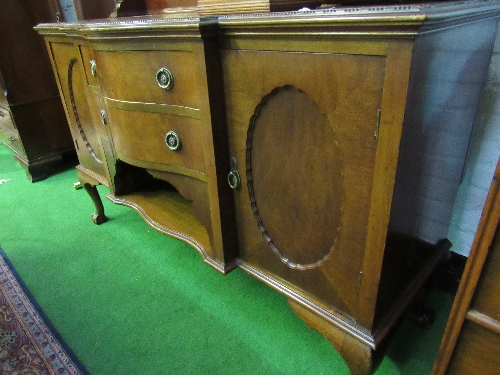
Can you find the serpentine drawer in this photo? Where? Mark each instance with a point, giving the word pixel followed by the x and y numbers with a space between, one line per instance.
pixel 172 143
pixel 135 76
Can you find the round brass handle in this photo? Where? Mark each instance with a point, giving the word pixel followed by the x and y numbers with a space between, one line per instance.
pixel 93 68
pixel 173 141
pixel 165 78
pixel 233 178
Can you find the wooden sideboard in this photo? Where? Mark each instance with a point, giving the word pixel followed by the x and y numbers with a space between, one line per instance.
pixel 32 119
pixel 271 142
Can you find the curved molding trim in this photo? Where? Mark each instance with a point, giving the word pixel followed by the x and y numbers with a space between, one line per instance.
pixel 219 266
pixel 75 111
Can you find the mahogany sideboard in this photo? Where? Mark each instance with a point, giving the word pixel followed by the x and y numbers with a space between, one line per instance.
pixel 271 142
pixel 32 119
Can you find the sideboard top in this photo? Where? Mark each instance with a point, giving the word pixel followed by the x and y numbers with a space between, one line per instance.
pixel 406 20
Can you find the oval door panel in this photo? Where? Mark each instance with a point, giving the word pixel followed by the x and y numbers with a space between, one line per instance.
pixel 294 173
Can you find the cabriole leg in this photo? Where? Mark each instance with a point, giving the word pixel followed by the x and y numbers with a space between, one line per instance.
pixel 98 217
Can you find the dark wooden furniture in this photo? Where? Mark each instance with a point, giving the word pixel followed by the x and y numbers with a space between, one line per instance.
pixel 91 9
pixel 32 120
pixel 205 7
pixel 471 342
pixel 210 7
pixel 302 115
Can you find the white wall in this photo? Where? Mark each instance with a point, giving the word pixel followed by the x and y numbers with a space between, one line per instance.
pixel 447 77
pixel 481 162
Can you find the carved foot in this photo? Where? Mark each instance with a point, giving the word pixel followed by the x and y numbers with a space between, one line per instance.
pixel 422 316
pixel 359 357
pixel 419 313
pixel 98 217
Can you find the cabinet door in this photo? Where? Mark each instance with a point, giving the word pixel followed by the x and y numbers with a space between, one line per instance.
pixel 302 129
pixel 73 84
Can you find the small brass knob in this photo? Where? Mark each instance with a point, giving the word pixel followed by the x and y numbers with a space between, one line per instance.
pixel 104 119
pixel 12 139
pixel 173 141
pixel 165 79
pixel 93 68
pixel 233 178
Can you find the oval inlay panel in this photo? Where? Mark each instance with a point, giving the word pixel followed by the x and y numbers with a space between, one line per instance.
pixel 75 112
pixel 294 174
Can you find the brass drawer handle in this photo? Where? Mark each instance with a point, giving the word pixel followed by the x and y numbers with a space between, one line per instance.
pixel 233 178
pixel 165 78
pixel 173 141
pixel 93 68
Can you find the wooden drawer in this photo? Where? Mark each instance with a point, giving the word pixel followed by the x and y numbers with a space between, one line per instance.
pixel 8 132
pixel 97 110
pixel 487 298
pixel 139 139
pixel 476 351
pixel 90 66
pixel 132 76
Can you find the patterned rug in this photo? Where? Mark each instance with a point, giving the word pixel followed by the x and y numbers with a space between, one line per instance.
pixel 29 345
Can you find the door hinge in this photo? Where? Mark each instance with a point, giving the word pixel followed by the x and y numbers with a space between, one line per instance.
pixel 360 278
pixel 377 129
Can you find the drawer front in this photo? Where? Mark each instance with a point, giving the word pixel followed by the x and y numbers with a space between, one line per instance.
pixel 132 76
pixel 8 132
pixel 97 111
pixel 476 352
pixel 487 298
pixel 140 139
pixel 90 65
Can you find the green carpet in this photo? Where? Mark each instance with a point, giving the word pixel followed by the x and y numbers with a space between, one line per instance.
pixel 130 300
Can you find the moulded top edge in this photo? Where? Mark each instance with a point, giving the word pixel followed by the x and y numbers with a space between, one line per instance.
pixel 332 14
pixel 384 15
pixel 404 20
pixel 301 23
pixel 165 22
